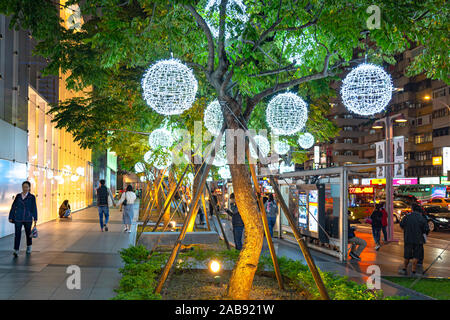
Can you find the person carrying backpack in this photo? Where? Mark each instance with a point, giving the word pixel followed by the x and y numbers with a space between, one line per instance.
pixel 103 194
pixel 272 211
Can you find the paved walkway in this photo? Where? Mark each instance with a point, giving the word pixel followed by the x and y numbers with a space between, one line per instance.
pixel 388 262
pixel 61 243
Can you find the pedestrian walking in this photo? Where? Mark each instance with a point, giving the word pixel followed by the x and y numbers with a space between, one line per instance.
pixel 358 244
pixel 376 220
pixel 103 195
pixel 201 216
pixel 64 209
pixel 384 223
pixel 126 202
pixel 23 212
pixel 236 221
pixel 272 212
pixel 414 226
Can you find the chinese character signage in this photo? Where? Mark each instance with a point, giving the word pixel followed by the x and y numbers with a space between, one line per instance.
pixel 445 160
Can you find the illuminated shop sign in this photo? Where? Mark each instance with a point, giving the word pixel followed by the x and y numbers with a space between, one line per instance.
pixel 445 181
pixel 357 190
pixel 429 180
pixel 377 181
pixel 404 181
pixel 437 161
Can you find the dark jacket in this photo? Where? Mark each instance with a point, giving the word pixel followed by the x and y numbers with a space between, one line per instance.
pixel 377 217
pixel 23 210
pixel 236 219
pixel 350 231
pixel 102 196
pixel 414 225
pixel 271 209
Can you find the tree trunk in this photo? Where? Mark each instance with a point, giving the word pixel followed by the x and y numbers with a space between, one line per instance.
pixel 243 273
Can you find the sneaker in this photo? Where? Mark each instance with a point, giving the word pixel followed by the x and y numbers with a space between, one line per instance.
pixel 377 247
pixel 28 249
pixel 355 256
pixel 129 231
pixel 106 228
pixel 402 272
pixel 125 229
pixel 16 253
pixel 102 229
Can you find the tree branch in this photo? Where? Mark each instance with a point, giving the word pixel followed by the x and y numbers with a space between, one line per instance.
pixel 277 71
pixel 202 23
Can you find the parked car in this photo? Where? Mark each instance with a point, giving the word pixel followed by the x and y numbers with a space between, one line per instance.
pixel 441 202
pixel 408 199
pixel 437 217
pixel 360 212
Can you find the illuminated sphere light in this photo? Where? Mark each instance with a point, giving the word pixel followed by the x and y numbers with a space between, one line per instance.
pixel 169 87
pixel 281 147
pixel 80 171
pixel 306 140
pixel 235 11
pixel 139 167
pixel 190 177
pixel 160 137
pixel 286 114
pixel 49 173
pixel 214 266
pixel 366 90
pixel 74 178
pixel 158 161
pixel 263 144
pixel 213 118
pixel 225 172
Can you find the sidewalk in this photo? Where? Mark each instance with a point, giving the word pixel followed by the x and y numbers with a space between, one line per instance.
pixel 354 270
pixel 62 243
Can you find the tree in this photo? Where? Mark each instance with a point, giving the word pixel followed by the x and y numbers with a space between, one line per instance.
pixel 299 45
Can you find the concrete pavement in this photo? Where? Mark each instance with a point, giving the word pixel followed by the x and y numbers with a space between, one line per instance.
pixel 61 243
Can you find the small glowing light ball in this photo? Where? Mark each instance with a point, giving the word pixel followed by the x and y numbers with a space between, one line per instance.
pixel 160 161
pixel 366 90
pixel 59 179
pixel 235 11
pixel 214 266
pixel 263 146
pixel 286 114
pixel 169 87
pixel 139 167
pixel 213 118
pixel 160 137
pixel 306 140
pixel 281 147
pixel 143 179
pixel 49 173
pixel 225 172
pixel 74 178
pixel 172 224
pixel 190 177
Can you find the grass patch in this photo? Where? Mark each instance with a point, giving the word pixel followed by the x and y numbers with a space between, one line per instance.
pixel 435 288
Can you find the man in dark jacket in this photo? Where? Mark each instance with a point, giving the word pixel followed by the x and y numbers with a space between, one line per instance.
pixel 377 224
pixel 236 221
pixel 102 202
pixel 414 226
pixel 23 212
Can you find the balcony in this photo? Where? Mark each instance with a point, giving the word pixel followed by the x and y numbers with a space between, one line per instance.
pixel 341 159
pixel 441 122
pixel 443 141
pixel 348 146
pixel 350 134
pixel 342 122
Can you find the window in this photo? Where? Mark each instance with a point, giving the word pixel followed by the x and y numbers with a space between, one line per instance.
pixel 423 138
pixel 348 153
pixel 348 128
pixel 440 113
pixel 348 141
pixel 372 131
pixel 441 132
pixel 348 116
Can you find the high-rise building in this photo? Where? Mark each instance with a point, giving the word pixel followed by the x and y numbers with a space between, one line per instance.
pixel 31 147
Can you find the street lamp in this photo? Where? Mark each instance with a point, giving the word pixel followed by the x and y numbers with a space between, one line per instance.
pixel 388 123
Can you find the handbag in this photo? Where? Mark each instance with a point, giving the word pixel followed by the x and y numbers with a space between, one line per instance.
pixel 34 231
pixel 125 201
pixel 368 220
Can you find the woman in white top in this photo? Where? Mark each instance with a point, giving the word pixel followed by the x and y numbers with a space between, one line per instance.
pixel 127 199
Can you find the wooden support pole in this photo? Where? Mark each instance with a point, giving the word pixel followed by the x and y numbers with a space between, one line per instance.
pixel 309 260
pixel 204 211
pixel 273 254
pixel 193 207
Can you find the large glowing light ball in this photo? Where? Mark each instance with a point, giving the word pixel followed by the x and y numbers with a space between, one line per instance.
pixel 169 87
pixel 139 167
pixel 160 137
pixel 306 140
pixel 160 161
pixel 281 147
pixel 225 172
pixel 366 90
pixel 263 146
pixel 213 118
pixel 235 11
pixel 286 114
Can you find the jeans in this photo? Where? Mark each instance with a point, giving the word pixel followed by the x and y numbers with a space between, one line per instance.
pixel 201 216
pixel 271 221
pixel 384 233
pixel 103 210
pixel 18 233
pixel 358 245
pixel 376 232
pixel 237 233
pixel 67 213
